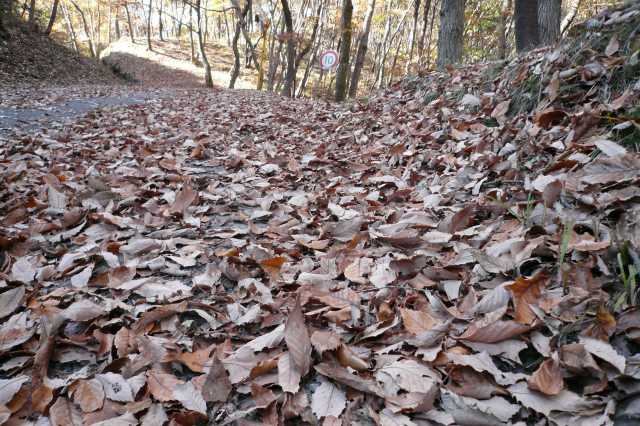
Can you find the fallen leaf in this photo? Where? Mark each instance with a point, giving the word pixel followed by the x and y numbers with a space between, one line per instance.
pixel 527 292
pixel 612 47
pixel 10 300
pixel 547 378
pixel 64 413
pixel 328 400
pixel 89 395
pixel 217 386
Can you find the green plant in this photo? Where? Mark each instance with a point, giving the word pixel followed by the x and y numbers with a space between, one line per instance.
pixel 523 217
pixel 628 296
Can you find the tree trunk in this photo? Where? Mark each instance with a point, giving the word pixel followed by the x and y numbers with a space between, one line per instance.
pixel 361 54
pixel 314 33
pixel 54 14
pixel 381 54
pixel 226 26
pixel 526 17
pixel 4 12
pixel 149 47
pixel 572 11
pixel 414 34
pixel 307 71
pixel 87 31
pixel 117 25
pixel 109 19
pixel 434 10
pixel 160 23
pixel 208 79
pixel 129 24
pixel 450 37
pixel 70 28
pixel 502 28
pixel 549 16
pixel 287 89
pixel 425 25
pixel 235 72
pixel 178 25
pixel 192 42
pixel 32 14
pixel 342 74
pixel 245 33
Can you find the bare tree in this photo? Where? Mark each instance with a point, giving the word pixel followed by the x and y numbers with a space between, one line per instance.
pixel 52 19
pixel 208 79
pixel 116 23
pixel 32 14
pixel 129 23
pixel 87 31
pixel 363 46
pixel 505 12
pixel 527 31
pixel 342 74
pixel 425 24
pixel 160 22
pixel 149 47
pixel 572 11
pixel 549 16
pixel 450 37
pixel 235 72
pixel 414 32
pixel 287 89
pixel 5 9
pixel 72 31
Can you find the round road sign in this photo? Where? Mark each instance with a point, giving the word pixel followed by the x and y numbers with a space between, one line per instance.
pixel 328 59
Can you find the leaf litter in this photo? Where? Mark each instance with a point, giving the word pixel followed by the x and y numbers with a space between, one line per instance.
pixel 436 255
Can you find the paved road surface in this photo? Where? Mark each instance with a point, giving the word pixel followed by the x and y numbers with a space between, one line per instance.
pixel 41 117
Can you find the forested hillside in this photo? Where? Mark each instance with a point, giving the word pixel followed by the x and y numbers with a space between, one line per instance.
pixel 457 246
pixel 276 44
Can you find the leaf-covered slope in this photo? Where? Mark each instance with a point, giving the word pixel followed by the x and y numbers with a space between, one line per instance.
pixel 434 256
pixel 28 58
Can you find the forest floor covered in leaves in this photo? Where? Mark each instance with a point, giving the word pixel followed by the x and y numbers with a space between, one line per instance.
pixel 462 249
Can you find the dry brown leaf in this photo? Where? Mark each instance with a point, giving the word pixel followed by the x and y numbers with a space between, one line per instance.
pixel 612 47
pixel 342 375
pixel 41 397
pixel 161 385
pixel 184 198
pixel 297 338
pixel 262 396
pixel 328 400
pixel 289 374
pixel 526 292
pixel 324 341
pixel 10 300
pixel 417 322
pixel 89 395
pixel 547 378
pixel 347 358
pixel 494 332
pixel 64 413
pixel 217 386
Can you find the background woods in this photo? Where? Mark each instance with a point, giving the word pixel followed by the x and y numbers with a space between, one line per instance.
pixel 276 44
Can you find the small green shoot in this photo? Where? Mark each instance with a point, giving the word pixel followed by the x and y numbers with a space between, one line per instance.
pixel 628 273
pixel 564 249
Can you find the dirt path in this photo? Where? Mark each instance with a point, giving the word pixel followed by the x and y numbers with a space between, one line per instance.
pixel 51 112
